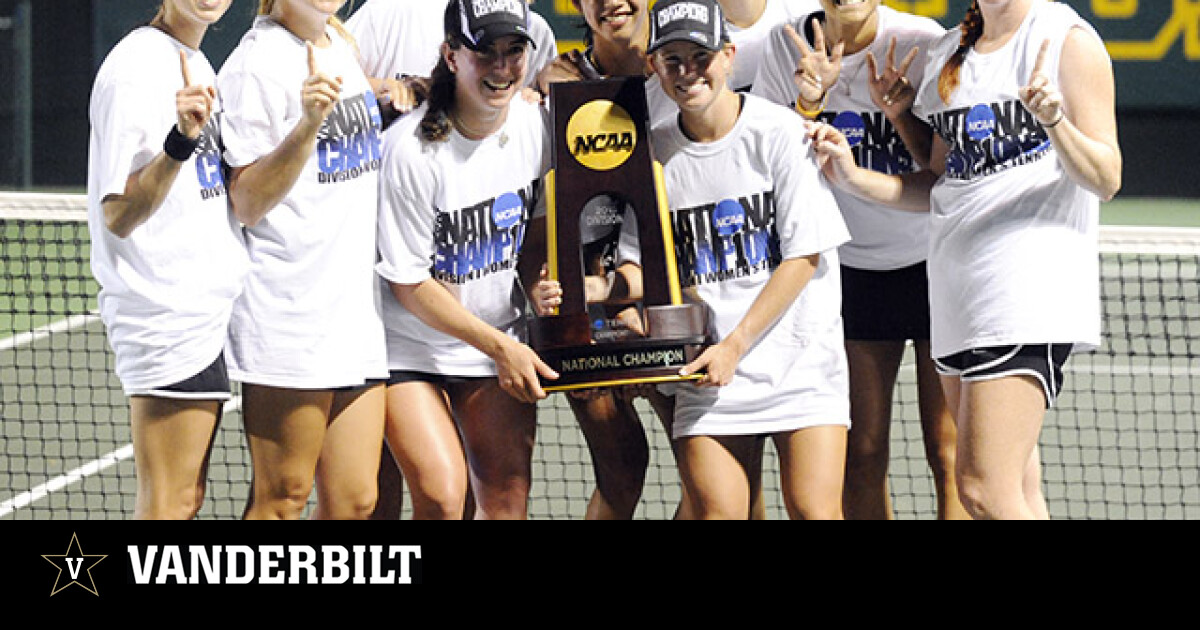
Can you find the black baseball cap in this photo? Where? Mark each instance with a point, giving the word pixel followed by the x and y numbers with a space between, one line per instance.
pixel 478 23
pixel 697 21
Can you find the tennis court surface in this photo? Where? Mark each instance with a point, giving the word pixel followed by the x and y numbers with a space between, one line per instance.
pixel 1122 442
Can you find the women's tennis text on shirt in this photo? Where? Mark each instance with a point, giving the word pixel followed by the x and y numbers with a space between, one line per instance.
pixel 729 239
pixel 272 564
pixel 989 138
pixel 209 171
pixel 482 238
pixel 873 140
pixel 348 143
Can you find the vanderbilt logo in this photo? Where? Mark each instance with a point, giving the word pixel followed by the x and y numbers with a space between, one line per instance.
pixel 74 567
pixel 601 135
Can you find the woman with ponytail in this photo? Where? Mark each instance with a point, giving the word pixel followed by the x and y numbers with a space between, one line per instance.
pixel 460 195
pixel 165 249
pixel 1021 100
pixel 303 143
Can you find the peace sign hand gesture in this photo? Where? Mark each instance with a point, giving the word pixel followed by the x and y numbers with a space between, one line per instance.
pixel 891 91
pixel 193 103
pixel 817 70
pixel 1041 96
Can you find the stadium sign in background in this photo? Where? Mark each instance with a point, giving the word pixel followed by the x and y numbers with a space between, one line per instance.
pixel 58 45
pixel 1155 44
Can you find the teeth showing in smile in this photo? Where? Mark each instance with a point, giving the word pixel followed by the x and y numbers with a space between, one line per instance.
pixel 497 86
pixel 848 3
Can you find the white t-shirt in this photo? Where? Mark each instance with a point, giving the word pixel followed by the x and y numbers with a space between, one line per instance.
pixel 168 288
pixel 769 204
pixel 751 41
pixel 882 238
pixel 457 211
pixel 1014 255
pixel 309 317
pixel 397 37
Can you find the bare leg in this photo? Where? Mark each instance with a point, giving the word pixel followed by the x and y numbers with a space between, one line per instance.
pixel 498 433
pixel 424 439
pixel 812 467
pixel 937 427
pixel 716 475
pixel 172 440
pixel 348 469
pixel 873 368
pixel 390 504
pixel 620 453
pixel 285 429
pixel 998 426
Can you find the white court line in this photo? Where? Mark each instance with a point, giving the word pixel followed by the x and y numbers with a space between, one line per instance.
pixel 1082 367
pixel 58 483
pixel 41 332
pixel 74 476
pixel 107 460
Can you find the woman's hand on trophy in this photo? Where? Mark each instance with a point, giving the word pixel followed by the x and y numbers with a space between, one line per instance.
pixel 546 294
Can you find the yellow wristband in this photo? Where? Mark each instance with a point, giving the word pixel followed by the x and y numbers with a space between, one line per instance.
pixel 811 113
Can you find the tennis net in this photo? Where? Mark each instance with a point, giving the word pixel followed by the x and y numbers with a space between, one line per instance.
pixel 1122 442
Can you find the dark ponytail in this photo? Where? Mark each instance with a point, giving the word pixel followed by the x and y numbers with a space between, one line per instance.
pixel 972 30
pixel 435 126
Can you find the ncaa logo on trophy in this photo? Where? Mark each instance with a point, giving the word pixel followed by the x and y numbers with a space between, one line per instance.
pixel 603 180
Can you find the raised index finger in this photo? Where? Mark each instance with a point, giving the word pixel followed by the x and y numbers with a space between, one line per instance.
pixel 312 59
pixel 183 68
pixel 1041 58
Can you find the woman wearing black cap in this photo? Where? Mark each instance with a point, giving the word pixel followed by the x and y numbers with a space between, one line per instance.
pixel 757 246
pixel 461 183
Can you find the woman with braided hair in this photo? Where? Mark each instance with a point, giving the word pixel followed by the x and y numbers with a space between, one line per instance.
pixel 1021 100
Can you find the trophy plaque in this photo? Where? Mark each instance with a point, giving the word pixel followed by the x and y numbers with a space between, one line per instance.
pixel 604 173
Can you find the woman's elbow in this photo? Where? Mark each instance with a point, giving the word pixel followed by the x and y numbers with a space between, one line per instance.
pixel 116 219
pixel 1112 184
pixel 1110 191
pixel 1107 180
pixel 245 207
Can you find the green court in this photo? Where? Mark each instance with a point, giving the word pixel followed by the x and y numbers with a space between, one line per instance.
pixel 1123 442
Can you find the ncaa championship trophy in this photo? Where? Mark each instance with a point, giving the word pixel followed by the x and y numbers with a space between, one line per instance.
pixel 603 169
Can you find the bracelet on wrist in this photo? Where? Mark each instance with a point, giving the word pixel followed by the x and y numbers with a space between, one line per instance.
pixel 179 147
pixel 1061 116
pixel 811 113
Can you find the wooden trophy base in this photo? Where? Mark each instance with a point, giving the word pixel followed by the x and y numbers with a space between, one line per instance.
pixel 676 335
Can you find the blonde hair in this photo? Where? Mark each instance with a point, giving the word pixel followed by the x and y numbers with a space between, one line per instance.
pixel 266 6
pixel 971 30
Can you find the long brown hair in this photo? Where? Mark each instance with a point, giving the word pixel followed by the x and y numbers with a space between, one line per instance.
pixel 971 29
pixel 435 125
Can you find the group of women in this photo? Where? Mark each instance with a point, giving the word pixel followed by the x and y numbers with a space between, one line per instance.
pixel 349 220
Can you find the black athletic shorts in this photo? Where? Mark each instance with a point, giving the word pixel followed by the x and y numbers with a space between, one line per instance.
pixel 396 377
pixel 1043 361
pixel 368 383
pixel 890 305
pixel 211 383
